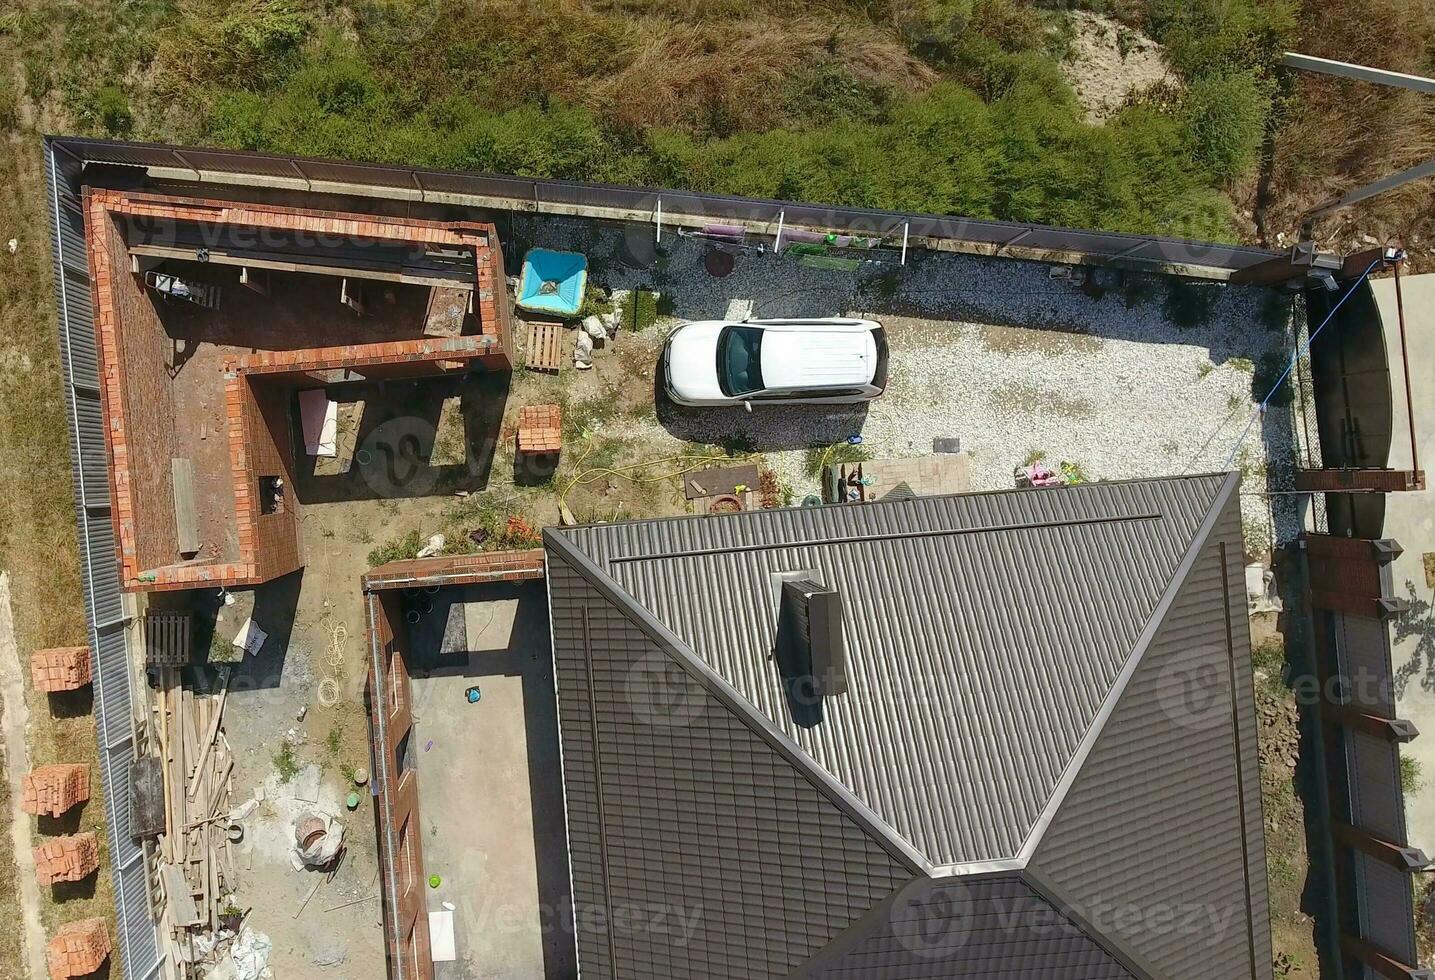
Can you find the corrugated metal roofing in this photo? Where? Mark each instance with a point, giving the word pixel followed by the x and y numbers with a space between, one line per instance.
pixel 1153 821
pixel 996 928
pixel 696 849
pixel 983 634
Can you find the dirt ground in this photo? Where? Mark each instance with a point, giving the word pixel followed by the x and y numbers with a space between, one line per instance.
pixel 1287 861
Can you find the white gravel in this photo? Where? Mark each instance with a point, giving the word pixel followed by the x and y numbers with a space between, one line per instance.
pixel 995 352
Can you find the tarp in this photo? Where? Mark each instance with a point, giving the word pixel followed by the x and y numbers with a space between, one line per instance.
pixel 320 418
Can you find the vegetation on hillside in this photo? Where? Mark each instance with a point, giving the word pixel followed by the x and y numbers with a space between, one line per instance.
pixel 949 106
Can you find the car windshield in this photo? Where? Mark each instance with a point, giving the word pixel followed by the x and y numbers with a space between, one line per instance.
pixel 739 361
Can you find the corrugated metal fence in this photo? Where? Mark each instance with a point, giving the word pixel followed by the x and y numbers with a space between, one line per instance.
pixel 114 707
pixel 635 203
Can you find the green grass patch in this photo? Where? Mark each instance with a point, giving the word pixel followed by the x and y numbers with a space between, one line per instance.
pixel 285 763
pixel 398 549
pixel 820 457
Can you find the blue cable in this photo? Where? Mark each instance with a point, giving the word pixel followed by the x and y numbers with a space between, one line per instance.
pixel 1303 348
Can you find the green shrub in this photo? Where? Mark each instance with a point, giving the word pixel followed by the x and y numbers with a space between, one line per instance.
pixel 399 549
pixel 112 110
pixel 1225 121
pixel 1270 367
pixel 1188 304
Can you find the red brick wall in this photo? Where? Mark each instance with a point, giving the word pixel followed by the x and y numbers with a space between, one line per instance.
pixel 400 836
pixel 139 406
pixel 271 453
pixel 489 566
pixel 141 431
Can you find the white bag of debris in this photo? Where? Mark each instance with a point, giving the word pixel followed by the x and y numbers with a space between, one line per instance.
pixel 583 351
pixel 318 838
pixel 593 327
pixel 433 548
pixel 248 958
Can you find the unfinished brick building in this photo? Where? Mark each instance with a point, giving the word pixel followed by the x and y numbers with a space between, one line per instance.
pixel 60 669
pixel 72 858
pixel 52 790
pixel 79 949
pixel 195 388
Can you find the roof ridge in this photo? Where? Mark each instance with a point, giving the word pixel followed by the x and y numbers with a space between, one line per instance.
pixel 1133 662
pixel 670 643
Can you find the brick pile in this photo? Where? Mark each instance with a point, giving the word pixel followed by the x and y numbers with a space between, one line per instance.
pixel 51 790
pixel 79 949
pixel 60 668
pixel 67 859
pixel 540 429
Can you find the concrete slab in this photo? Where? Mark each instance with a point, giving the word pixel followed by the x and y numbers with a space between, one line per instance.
pixel 490 791
pixel 1410 520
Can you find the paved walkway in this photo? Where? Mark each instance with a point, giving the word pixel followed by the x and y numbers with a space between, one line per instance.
pixel 13 721
pixel 1410 520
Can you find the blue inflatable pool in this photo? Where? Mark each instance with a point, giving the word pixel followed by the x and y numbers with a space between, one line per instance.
pixel 552 282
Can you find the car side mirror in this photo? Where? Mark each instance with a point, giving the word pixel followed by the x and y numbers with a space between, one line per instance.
pixel 747 405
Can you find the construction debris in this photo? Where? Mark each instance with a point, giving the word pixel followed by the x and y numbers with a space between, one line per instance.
pixel 318 838
pixel 196 872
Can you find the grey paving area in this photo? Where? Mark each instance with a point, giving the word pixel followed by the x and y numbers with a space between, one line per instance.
pixel 1410 520
pixel 490 787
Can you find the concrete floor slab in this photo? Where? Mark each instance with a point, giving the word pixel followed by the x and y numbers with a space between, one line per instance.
pixel 490 789
pixel 1410 520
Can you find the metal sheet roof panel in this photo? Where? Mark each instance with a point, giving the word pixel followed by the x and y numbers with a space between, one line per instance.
pixel 983 633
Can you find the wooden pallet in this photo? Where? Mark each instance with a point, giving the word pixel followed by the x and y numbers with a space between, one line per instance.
pixel 544 346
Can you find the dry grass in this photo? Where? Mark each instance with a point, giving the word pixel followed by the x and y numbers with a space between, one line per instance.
pixel 37 526
pixel 1338 134
pixel 734 76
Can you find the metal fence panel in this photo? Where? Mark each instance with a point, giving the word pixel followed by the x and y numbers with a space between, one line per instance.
pixel 136 937
pixel 1088 245
pixel 94 460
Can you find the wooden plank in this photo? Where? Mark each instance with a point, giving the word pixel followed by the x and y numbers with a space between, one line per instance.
pixel 213 730
pixel 186 519
pixel 719 480
pixel 176 891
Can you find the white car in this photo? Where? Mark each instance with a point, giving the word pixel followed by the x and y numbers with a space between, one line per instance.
pixel 831 361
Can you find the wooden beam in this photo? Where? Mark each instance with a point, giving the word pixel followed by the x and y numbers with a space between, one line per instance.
pixel 1382 962
pixel 1401 857
pixel 1363 73
pixel 251 262
pixel 255 280
pixel 1391 729
pixel 350 296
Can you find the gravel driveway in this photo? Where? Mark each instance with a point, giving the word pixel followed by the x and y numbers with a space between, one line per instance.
pixel 1009 356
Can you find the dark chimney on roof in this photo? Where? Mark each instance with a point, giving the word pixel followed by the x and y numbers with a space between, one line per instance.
pixel 809 637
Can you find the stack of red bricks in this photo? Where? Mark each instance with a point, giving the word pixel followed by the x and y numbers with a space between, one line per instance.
pixel 540 429
pixel 60 668
pixel 79 949
pixel 51 790
pixel 67 859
